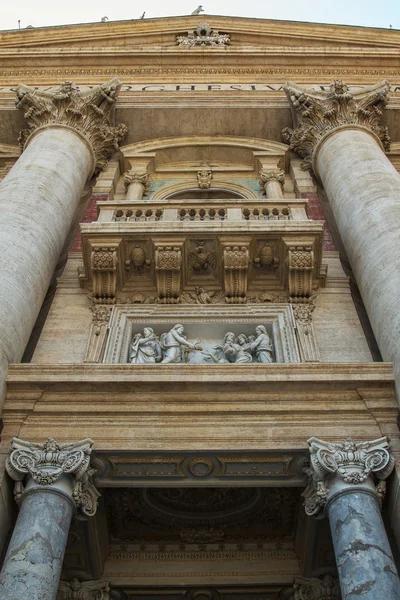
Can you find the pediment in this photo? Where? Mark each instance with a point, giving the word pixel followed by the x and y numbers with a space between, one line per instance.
pixel 162 32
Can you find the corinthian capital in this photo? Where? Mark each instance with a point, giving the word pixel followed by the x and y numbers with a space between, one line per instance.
pixel 351 462
pixel 326 588
pixel 267 176
pixel 317 112
pixel 85 590
pixel 46 463
pixel 87 112
pixel 140 177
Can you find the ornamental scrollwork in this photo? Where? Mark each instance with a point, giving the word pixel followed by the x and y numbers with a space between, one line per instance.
pixel 318 112
pixel 326 588
pixel 87 112
pixel 83 590
pixel 47 462
pixel 352 462
pixel 203 35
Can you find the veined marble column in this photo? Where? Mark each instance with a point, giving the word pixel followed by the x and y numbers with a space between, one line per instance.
pixel 53 481
pixel 69 138
pixel 271 183
pixel 136 185
pixel 342 484
pixel 339 134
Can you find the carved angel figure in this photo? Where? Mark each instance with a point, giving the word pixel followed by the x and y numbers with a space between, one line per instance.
pixel 175 344
pixel 145 349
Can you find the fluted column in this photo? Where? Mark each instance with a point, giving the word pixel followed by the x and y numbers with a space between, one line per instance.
pixel 342 484
pixel 271 183
pixel 136 185
pixel 340 136
pixel 69 138
pixel 53 481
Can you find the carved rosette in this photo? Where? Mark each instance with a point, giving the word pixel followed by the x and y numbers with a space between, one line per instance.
pixel 83 590
pixel 141 178
pixel 103 262
pixel 352 462
pixel 301 265
pixel 326 588
pixel 47 462
pixel 267 176
pixel 88 112
pixel 236 267
pixel 316 113
pixel 168 262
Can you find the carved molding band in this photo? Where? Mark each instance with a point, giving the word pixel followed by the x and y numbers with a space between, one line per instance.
pixel 47 462
pixel 351 462
pixel 316 113
pixel 87 112
pixel 85 590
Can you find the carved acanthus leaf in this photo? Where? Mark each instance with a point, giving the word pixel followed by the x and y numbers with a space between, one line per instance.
pixel 353 462
pixel 83 590
pixel 46 462
pixel 318 112
pixel 87 112
pixel 326 588
pixel 266 176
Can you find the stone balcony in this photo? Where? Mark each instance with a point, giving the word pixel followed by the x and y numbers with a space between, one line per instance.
pixel 233 246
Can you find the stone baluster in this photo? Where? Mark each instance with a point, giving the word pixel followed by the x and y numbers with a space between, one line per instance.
pixel 52 482
pixel 340 136
pixel 69 139
pixel 342 483
pixel 84 590
pixel 136 185
pixel 272 182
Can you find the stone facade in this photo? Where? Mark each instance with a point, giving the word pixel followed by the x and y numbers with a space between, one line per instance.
pixel 199 270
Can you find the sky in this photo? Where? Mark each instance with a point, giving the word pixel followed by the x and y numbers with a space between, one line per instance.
pixel 39 13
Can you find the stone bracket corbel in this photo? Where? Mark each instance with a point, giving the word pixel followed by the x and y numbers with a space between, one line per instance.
pixel 236 260
pixel 305 333
pixel 98 332
pixel 104 261
pixel 300 271
pixel 168 269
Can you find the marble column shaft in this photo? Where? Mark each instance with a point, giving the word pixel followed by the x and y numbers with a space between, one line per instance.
pixel 342 484
pixel 53 481
pixel 69 136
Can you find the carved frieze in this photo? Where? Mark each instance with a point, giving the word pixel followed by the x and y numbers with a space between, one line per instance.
pixel 47 462
pixel 236 259
pixel 103 262
pixel 326 588
pixel 83 590
pixel 301 266
pixel 87 112
pixel 318 112
pixel 203 35
pixel 168 263
pixel 351 462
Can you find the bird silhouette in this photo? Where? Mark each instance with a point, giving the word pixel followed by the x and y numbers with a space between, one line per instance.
pixel 104 19
pixel 198 10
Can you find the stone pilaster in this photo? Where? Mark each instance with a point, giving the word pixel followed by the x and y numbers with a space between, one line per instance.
pixel 343 484
pixel 69 138
pixel 271 183
pixel 341 136
pixel 326 588
pixel 84 590
pixel 136 185
pixel 52 482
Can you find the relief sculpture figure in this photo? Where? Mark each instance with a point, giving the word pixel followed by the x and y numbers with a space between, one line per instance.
pixel 229 352
pixel 175 345
pixel 261 348
pixel 145 349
